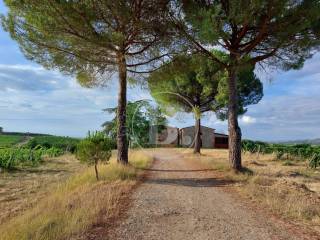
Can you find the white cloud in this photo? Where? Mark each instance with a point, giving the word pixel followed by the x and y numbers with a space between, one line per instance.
pixel 30 78
pixel 38 100
pixel 247 120
pixel 285 117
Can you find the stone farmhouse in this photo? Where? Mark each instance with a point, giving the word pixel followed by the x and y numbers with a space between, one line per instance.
pixel 184 137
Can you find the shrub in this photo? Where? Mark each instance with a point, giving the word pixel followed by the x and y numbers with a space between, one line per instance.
pixel 13 157
pixel 32 143
pixel 290 152
pixel 21 157
pixel 66 144
pixel 314 162
pixel 94 148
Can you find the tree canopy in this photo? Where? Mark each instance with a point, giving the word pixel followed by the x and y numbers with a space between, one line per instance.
pixel 140 116
pixel 185 83
pixel 85 37
pixel 250 91
pixel 282 33
pixel 194 83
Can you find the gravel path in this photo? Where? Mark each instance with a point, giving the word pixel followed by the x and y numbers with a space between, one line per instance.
pixel 181 200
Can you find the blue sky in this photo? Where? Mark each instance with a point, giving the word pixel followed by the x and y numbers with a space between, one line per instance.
pixel 33 99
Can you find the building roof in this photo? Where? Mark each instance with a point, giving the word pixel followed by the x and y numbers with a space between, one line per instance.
pixel 201 127
pixel 168 127
pixel 220 135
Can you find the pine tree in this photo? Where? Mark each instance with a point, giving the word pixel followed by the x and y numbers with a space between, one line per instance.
pixel 282 33
pixel 91 39
pixel 194 83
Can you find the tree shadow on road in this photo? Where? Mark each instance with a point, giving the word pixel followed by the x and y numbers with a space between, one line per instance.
pixel 176 170
pixel 190 182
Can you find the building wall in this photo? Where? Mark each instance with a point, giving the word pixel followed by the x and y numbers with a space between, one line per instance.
pixel 167 137
pixel 173 137
pixel 187 137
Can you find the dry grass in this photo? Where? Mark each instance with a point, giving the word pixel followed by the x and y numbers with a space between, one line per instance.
pixel 76 204
pixel 22 188
pixel 290 189
pixel 293 200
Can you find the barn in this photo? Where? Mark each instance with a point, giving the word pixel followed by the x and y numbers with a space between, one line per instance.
pixel 167 137
pixel 184 137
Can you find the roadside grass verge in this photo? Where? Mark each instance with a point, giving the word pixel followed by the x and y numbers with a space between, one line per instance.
pixel 289 190
pixel 78 203
pixel 291 199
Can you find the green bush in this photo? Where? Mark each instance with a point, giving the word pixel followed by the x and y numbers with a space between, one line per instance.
pixel 66 144
pixel 315 161
pixel 32 144
pixel 20 157
pixel 96 147
pixel 287 152
pixel 13 157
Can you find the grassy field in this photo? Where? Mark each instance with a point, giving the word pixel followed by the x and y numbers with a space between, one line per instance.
pixel 289 189
pixel 64 209
pixel 10 140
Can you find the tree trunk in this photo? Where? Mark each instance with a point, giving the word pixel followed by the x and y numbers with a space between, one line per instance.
pixel 234 129
pixel 122 145
pixel 96 170
pixel 197 136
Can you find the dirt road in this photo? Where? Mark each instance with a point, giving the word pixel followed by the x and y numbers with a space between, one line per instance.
pixel 182 200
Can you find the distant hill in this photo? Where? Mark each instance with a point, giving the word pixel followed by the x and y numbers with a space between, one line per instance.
pixel 24 134
pixel 306 141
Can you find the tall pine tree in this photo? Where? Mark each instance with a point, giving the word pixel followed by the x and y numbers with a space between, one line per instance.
pixel 91 39
pixel 283 33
